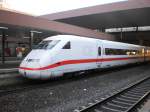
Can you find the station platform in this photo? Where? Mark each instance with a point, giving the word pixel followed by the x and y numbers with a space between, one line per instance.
pixel 10 70
pixel 11 64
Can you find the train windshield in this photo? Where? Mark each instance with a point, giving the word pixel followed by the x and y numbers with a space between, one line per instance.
pixel 47 44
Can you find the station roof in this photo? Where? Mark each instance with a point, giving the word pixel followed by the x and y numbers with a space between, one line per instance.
pixel 129 13
pixel 17 21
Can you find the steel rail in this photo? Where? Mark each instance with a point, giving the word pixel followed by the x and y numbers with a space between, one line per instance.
pixel 119 101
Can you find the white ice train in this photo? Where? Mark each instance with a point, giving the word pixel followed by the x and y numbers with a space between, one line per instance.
pixel 61 54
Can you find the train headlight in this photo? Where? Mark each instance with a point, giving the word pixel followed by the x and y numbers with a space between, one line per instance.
pixel 33 60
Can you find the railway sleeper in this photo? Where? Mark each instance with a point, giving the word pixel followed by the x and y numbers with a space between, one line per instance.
pixel 117 105
pixel 128 97
pixel 120 103
pixel 105 108
pixel 132 95
pixel 126 100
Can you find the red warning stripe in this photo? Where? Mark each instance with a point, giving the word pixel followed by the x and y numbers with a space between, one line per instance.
pixel 67 62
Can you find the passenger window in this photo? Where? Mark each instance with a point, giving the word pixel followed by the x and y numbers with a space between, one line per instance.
pixel 111 51
pixel 67 46
pixel 99 51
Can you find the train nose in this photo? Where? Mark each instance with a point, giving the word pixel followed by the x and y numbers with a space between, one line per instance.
pixel 33 70
pixel 29 68
pixel 32 74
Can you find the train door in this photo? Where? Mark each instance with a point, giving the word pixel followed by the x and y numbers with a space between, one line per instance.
pixel 99 54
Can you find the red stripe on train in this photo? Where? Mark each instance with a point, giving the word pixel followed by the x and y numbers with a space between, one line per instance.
pixel 67 62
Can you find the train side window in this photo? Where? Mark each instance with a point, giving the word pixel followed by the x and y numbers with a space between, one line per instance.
pixel 111 51
pixel 67 46
pixel 99 51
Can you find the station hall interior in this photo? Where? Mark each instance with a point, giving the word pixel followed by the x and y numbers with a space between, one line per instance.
pixel 70 73
pixel 125 21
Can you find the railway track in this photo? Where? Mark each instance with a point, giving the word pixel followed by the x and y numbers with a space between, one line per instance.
pixel 25 86
pixel 125 100
pixel 19 89
pixel 34 84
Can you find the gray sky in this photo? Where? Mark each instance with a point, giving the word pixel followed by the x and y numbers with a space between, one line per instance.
pixel 40 7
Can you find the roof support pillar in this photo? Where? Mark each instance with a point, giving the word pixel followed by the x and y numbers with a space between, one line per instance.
pixel 121 35
pixel 32 37
pixel 141 42
pixel 31 40
pixel 3 46
pixel 102 29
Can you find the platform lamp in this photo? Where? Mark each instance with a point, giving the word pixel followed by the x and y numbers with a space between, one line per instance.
pixel 32 32
pixel 3 36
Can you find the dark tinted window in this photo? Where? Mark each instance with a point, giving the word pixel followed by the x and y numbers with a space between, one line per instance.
pixel 111 51
pixel 47 44
pixel 67 46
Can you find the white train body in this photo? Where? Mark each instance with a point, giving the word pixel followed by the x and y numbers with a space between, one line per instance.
pixel 61 54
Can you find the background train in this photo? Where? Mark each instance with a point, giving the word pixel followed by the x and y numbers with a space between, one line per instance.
pixel 61 54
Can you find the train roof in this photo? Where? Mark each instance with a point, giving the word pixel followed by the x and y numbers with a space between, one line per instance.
pixel 74 37
pixel 70 37
pixel 121 43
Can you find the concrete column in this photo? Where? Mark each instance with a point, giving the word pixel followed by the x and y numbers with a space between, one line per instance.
pixel 121 35
pixel 3 46
pixel 102 29
pixel 32 37
pixel 141 42
pixel 31 40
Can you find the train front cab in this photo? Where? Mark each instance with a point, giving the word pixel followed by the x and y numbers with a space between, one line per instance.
pixel 29 71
